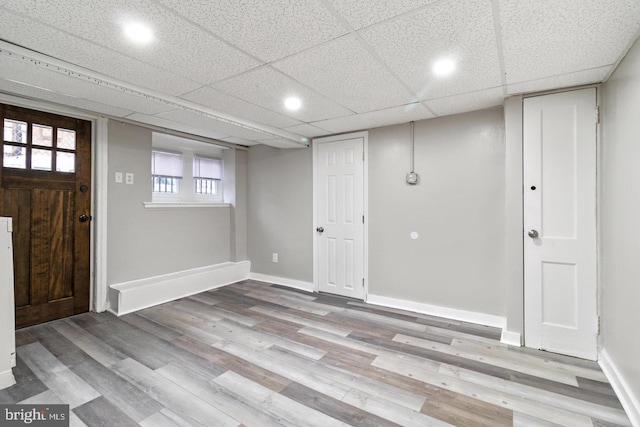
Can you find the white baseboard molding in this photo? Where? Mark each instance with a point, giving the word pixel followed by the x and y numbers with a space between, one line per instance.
pixel 291 283
pixel 629 400
pixel 434 310
pixel 135 295
pixel 7 379
pixel 510 338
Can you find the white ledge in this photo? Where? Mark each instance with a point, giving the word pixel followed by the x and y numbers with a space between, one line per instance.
pixel 164 205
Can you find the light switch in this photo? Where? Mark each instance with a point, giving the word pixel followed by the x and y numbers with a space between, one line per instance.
pixel 118 177
pixel 129 178
pixel 274 257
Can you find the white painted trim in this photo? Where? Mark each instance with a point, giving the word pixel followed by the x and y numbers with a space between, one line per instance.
pixel 365 184
pixel 629 401
pixel 100 290
pixel 7 379
pixel 511 338
pixel 136 295
pixel 295 284
pixel 174 205
pixel 434 310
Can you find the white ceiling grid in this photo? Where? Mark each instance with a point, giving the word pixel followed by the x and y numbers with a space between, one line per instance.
pixel 355 64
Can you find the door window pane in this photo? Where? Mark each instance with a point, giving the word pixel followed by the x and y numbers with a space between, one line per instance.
pixel 42 135
pixel 15 157
pixel 65 162
pixel 40 159
pixel 67 139
pixel 15 131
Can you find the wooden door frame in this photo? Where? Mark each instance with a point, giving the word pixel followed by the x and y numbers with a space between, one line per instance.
pixel 99 179
pixel 365 184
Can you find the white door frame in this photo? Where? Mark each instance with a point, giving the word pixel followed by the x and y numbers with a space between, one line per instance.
pixel 365 137
pixel 597 166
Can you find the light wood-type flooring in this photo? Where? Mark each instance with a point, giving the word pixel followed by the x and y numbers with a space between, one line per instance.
pixel 258 355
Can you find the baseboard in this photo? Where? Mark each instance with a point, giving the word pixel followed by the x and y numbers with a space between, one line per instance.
pixel 628 399
pixel 510 338
pixel 7 379
pixel 434 310
pixel 136 295
pixel 291 283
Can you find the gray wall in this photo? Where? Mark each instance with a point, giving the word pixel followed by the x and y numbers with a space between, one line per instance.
pixel 620 213
pixel 149 242
pixel 280 211
pixel 458 261
pixel 514 244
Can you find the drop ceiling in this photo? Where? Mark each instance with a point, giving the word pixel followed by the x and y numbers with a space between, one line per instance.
pixel 222 69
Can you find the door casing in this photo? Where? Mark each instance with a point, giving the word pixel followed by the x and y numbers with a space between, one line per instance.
pixel 529 339
pixel 365 136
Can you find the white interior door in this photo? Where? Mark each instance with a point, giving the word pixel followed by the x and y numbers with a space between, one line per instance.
pixel 340 217
pixel 560 223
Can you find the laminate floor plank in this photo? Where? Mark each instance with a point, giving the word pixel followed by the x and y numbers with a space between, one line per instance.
pixel 57 377
pixel 90 344
pixel 255 354
pixel 339 410
pixel 266 378
pixel 174 397
pixel 102 413
pixel 130 399
pixel 231 404
pixel 286 411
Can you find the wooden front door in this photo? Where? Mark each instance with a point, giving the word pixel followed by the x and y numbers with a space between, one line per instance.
pixel 45 186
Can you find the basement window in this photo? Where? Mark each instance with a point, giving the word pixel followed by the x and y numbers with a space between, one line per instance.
pixel 166 173
pixel 185 172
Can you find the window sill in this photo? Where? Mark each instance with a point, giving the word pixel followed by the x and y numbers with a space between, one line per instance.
pixel 171 205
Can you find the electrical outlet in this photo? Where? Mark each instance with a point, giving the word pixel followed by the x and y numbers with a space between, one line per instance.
pixel 129 178
pixel 118 177
pixel 275 257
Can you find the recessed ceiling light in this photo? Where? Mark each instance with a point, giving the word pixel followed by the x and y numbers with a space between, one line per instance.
pixel 292 103
pixel 138 32
pixel 444 67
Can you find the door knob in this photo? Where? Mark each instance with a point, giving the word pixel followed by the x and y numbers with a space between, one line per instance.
pixel 320 229
pixel 84 218
pixel 533 234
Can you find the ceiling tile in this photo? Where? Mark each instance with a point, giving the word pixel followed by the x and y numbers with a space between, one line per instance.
pixel 222 102
pixel 178 45
pixel 170 124
pixel 467 102
pixel 353 77
pixel 201 121
pixel 281 143
pixel 362 13
pixel 239 141
pixel 33 75
pixel 374 119
pixel 58 44
pixel 268 88
pixel 595 75
pixel 308 130
pixel 21 89
pixel 268 29
pixel 548 37
pixel 462 30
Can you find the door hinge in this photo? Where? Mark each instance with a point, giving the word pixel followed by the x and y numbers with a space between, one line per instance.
pixel 363 156
pixel 598 115
pixel 363 219
pixel 598 326
pixel 363 282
